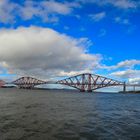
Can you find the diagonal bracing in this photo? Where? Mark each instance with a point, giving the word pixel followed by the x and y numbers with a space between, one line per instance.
pixel 27 82
pixel 89 82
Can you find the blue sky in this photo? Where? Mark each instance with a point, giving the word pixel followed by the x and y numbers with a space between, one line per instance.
pixel 101 37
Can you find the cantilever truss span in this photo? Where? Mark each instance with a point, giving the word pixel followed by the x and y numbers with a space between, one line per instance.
pixel 88 82
pixel 28 82
pixel 83 82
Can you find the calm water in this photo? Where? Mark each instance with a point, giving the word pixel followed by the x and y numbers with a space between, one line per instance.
pixel 68 115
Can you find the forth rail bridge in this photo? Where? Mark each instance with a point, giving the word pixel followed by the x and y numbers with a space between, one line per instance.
pixel 85 82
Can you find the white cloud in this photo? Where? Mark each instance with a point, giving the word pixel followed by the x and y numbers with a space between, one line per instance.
pixel 121 20
pixel 60 8
pixel 72 73
pixel 133 76
pixel 124 4
pixel 126 74
pixel 44 52
pixel 121 4
pixel 6 11
pixel 123 64
pixel 49 10
pixel 128 63
pixel 98 16
pixel 45 10
pixel 134 80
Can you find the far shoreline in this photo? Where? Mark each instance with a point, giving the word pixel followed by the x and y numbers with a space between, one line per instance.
pixel 65 89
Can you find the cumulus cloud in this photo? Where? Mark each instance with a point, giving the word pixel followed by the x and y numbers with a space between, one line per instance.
pixel 49 10
pixel 45 10
pixel 124 4
pixel 6 11
pixel 126 74
pixel 133 76
pixel 121 4
pixel 125 70
pixel 98 16
pixel 60 8
pixel 134 80
pixel 43 52
pixel 123 64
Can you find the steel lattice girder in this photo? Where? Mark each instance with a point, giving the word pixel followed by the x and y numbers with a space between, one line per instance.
pixel 28 82
pixel 88 82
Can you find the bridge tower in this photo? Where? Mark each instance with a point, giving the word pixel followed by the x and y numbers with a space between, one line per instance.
pixel 83 83
pixel 89 83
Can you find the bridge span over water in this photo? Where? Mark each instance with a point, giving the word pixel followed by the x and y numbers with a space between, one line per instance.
pixel 85 82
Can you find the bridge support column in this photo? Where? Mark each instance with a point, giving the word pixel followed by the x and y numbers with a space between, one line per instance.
pixel 89 90
pixel 134 88
pixel 124 87
pixel 82 90
pixel 89 83
pixel 83 83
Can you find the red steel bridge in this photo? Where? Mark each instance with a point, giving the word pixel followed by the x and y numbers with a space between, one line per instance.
pixel 85 82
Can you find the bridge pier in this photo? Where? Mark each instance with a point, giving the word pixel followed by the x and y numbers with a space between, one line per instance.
pixel 85 90
pixel 89 91
pixel 82 90
pixel 124 87
pixel 134 88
